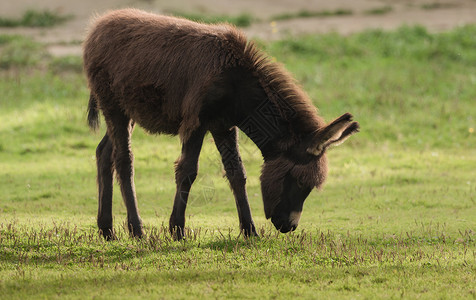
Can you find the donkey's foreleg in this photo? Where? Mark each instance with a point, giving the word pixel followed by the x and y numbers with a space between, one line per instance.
pixel 227 144
pixel 119 131
pixel 105 183
pixel 186 168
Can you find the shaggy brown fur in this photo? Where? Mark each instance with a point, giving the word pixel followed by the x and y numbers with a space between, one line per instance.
pixel 170 63
pixel 174 76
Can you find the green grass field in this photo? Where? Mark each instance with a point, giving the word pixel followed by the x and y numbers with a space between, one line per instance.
pixel 396 218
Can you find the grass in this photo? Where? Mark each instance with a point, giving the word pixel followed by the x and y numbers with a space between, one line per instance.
pixel 438 5
pixel 395 218
pixel 311 14
pixel 245 20
pixel 241 20
pixel 17 51
pixel 33 18
pixel 379 11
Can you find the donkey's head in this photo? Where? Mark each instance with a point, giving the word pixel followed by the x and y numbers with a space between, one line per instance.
pixel 287 180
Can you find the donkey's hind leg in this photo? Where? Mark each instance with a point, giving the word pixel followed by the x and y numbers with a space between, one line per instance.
pixel 105 184
pixel 119 130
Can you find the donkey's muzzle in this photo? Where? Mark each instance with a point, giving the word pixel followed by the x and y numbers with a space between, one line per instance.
pixel 283 224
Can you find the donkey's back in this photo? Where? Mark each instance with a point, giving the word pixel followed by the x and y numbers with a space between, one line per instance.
pixel 156 69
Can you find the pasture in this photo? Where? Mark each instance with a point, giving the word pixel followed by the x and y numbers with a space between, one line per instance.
pixel 396 217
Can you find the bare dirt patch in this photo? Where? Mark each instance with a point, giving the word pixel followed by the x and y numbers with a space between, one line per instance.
pixel 436 15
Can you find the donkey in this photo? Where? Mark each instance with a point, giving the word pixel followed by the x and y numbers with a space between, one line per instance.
pixel 178 77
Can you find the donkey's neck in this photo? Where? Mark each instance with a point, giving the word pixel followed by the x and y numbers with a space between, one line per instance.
pixel 265 126
pixel 261 112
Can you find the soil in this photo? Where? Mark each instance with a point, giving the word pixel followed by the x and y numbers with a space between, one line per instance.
pixel 65 39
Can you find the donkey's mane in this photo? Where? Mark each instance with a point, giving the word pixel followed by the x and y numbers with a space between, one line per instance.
pixel 282 89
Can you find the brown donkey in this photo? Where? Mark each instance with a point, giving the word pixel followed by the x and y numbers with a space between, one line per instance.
pixel 178 77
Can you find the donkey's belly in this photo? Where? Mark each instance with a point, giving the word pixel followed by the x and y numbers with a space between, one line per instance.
pixel 158 125
pixel 148 108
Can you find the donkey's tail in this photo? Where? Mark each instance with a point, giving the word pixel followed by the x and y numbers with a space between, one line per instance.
pixel 93 113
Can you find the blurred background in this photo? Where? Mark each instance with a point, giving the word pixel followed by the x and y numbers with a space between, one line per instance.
pixel 264 19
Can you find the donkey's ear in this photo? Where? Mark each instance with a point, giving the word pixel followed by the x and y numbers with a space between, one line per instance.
pixel 333 134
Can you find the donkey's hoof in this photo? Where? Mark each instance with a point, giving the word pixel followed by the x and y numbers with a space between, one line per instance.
pixel 135 230
pixel 137 234
pixel 177 233
pixel 250 232
pixel 252 235
pixel 108 234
